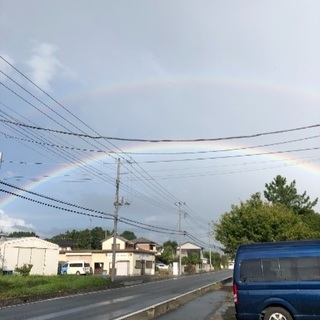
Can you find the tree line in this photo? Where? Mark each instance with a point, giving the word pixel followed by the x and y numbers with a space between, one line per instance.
pixel 80 239
pixel 283 215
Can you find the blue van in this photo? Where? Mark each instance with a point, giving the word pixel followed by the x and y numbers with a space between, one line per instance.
pixel 277 281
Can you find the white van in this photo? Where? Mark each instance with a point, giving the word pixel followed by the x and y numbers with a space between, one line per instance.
pixel 76 267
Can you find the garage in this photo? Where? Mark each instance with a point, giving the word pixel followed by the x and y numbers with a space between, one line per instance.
pixel 123 268
pixel 43 255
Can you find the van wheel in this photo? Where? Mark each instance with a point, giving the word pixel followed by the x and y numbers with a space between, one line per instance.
pixel 277 313
pixel 77 273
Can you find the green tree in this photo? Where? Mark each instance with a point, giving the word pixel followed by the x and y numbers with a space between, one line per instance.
pixel 129 235
pixel 97 235
pixel 172 244
pixel 168 249
pixel 312 219
pixel 84 239
pixel 194 258
pixel 167 255
pixel 22 234
pixel 184 261
pixel 279 192
pixel 215 259
pixel 224 261
pixel 258 221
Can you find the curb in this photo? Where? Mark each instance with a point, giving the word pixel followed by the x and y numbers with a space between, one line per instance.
pixel 172 304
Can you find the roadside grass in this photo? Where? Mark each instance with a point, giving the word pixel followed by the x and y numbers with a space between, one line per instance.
pixel 13 286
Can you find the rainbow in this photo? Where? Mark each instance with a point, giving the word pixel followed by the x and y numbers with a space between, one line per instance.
pixel 200 81
pixel 120 88
pixel 159 147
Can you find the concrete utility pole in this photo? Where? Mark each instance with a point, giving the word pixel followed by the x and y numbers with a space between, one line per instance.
pixel 179 204
pixel 115 227
pixel 117 204
pixel 0 159
pixel 209 234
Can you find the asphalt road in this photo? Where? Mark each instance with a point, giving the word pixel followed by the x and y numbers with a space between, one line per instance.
pixel 111 304
pixel 207 307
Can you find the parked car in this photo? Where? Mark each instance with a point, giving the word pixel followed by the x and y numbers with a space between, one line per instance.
pixel 76 267
pixel 162 266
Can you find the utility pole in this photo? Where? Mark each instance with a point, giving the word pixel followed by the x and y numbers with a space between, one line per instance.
pixel 117 204
pixel 115 227
pixel 209 234
pixel 179 204
pixel 0 159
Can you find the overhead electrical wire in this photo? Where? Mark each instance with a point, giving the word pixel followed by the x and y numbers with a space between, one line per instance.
pixel 151 200
pixel 110 216
pixel 155 186
pixel 46 94
pixel 169 140
pixel 144 179
pixel 233 156
pixel 66 156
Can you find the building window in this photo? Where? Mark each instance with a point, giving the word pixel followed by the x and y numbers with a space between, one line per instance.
pixel 148 264
pixel 138 264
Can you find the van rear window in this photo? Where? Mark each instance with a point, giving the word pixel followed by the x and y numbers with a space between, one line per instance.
pixel 280 269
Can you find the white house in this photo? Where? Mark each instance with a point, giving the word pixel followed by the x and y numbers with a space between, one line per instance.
pixel 16 252
pixel 189 248
pixel 132 257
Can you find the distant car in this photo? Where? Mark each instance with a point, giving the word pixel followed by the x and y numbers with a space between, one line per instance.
pixel 162 266
pixel 76 267
pixel 230 265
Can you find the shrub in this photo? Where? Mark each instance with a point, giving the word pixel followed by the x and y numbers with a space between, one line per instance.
pixel 24 270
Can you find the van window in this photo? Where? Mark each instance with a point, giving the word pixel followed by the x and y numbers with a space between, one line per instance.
pixel 75 265
pixel 282 269
pixel 308 268
pixel 250 270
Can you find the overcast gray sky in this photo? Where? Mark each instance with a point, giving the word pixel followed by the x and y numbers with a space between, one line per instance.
pixel 153 70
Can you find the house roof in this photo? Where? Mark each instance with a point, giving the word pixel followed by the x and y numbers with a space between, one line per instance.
pixel 189 245
pixel 143 240
pixel 129 250
pixel 118 237
pixel 29 242
pixel 64 243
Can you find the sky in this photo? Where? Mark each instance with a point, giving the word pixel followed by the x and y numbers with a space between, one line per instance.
pixel 195 104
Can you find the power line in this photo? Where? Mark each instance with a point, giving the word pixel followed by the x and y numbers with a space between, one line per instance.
pixel 167 140
pixel 110 216
pixel 229 157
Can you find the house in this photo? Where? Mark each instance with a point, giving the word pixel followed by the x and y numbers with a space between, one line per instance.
pixel 145 244
pixel 188 248
pixel 130 258
pixel 65 245
pixel 15 252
